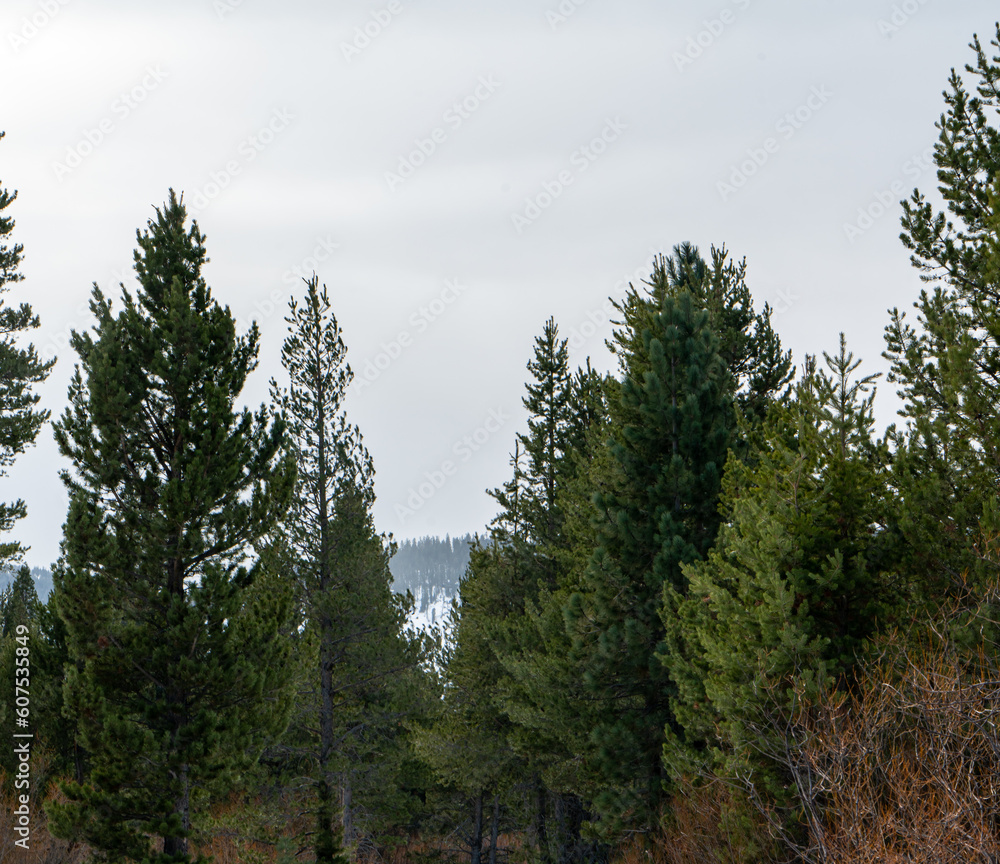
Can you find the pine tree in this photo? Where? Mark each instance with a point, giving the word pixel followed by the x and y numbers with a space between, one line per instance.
pixel 676 420
pixel 945 458
pixel 20 420
pixel 798 581
pixel 490 631
pixel 547 441
pixel 177 666
pixel 547 696
pixel 18 601
pixel 363 666
pixel 467 744
pixel 523 562
pixel 542 691
pixel 54 730
pixel 531 643
pixel 18 615
pixel 53 733
pixel 747 342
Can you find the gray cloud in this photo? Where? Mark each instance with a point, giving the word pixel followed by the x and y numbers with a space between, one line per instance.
pixel 391 251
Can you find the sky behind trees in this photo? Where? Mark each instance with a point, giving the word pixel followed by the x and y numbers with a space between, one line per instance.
pixel 456 175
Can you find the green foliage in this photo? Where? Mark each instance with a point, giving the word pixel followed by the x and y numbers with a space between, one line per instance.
pixel 176 677
pixel 682 563
pixel 748 345
pixel 673 427
pixel 581 681
pixel 18 602
pixel 466 744
pixel 945 472
pixel 43 636
pixel 542 691
pixel 44 639
pixel 466 741
pixel 20 368
pixel 548 440
pixel 361 672
pixel 18 616
pixel 505 650
pixel 784 604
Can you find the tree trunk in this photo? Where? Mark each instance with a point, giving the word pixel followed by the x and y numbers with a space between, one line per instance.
pixel 326 845
pixel 476 843
pixel 569 817
pixel 494 828
pixel 348 812
pixel 179 845
pixel 541 839
pixel 78 773
pixel 562 829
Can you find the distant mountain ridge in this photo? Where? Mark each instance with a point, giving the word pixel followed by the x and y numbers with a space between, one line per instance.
pixel 429 567
pixel 43 580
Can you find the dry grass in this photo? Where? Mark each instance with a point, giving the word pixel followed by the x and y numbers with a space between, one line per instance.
pixel 704 824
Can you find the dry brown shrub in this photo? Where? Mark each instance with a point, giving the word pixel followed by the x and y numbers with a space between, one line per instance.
pixel 908 769
pixel 710 823
pixel 905 766
pixel 705 823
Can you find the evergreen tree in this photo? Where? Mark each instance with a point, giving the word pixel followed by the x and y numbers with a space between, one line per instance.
pixel 747 343
pixel 363 666
pixel 20 420
pixel 176 672
pixel 547 692
pixel 467 745
pixel 532 645
pixel 542 691
pixel 54 734
pixel 547 441
pixel 490 631
pixel 523 562
pixel 797 583
pixel 55 730
pixel 18 601
pixel 945 460
pixel 27 622
pixel 676 421
pixel 18 609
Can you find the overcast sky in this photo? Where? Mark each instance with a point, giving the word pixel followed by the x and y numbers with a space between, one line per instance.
pixel 458 172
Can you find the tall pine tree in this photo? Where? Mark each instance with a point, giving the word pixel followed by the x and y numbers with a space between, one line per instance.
pixel 19 609
pixel 676 421
pixel 547 441
pixel 176 670
pixel 947 365
pixel 467 743
pixel 552 696
pixel 541 691
pixel 363 667
pixel 797 583
pixel 747 342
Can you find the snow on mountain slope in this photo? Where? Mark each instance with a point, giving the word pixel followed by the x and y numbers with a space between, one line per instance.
pixel 434 614
pixel 431 609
